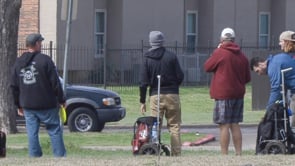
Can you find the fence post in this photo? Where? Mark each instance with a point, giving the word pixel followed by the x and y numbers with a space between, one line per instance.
pixel 105 68
pixel 176 47
pixel 142 56
pixel 50 49
pixel 122 74
pixel 142 47
pixel 241 43
pixel 207 74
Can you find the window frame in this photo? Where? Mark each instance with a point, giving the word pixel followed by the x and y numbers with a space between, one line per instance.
pixel 261 35
pixel 103 49
pixel 189 34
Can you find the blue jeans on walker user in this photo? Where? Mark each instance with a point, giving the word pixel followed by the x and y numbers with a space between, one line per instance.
pixel 51 119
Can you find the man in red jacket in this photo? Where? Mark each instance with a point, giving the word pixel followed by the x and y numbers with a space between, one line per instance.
pixel 231 72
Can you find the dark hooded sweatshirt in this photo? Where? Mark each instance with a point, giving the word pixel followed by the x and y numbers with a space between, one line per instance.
pixel 160 62
pixel 231 71
pixel 35 83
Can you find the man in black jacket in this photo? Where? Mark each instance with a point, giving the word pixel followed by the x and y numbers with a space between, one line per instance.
pixel 38 95
pixel 159 61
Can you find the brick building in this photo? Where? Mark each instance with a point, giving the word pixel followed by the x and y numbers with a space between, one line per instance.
pixel 29 19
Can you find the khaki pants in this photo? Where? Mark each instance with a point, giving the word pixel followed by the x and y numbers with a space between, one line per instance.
pixel 170 107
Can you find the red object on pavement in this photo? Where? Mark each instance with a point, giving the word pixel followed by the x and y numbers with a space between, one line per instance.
pixel 207 138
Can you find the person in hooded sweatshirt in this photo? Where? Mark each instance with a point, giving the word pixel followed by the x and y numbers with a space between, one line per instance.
pixel 231 72
pixel 38 95
pixel 159 61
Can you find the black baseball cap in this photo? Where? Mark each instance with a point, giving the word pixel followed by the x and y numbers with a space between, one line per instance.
pixel 33 38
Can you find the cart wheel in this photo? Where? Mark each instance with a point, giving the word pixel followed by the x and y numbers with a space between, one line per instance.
pixel 274 148
pixel 166 150
pixel 149 149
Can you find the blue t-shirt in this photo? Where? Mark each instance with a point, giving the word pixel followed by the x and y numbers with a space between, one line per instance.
pixel 275 64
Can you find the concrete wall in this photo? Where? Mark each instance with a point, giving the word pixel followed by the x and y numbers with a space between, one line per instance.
pixel 235 14
pixel 114 23
pixel 82 25
pixel 278 19
pixel 206 23
pixel 48 20
pixel 246 23
pixel 82 34
pixel 290 13
pixel 129 21
pixel 141 16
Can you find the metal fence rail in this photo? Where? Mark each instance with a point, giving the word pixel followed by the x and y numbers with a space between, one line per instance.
pixel 121 67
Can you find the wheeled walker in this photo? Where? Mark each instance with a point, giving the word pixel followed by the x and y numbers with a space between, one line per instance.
pixel 275 135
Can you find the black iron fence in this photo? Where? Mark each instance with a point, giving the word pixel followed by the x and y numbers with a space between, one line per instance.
pixel 121 67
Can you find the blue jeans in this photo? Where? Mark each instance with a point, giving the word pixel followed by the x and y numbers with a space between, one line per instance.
pixel 51 119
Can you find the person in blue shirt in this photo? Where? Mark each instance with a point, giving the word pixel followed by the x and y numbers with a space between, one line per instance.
pixel 272 67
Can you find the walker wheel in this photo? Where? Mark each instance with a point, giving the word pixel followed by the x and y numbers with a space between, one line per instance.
pixel 166 150
pixel 149 149
pixel 274 148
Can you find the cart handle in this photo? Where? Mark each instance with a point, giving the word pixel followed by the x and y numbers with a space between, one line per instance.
pixel 287 69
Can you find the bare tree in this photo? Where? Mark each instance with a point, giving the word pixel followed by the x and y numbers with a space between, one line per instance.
pixel 9 20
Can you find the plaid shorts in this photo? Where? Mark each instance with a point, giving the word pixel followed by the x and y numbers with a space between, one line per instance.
pixel 228 111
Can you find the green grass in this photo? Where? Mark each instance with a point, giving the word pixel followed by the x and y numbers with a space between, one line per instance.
pixel 196 109
pixel 115 138
pixel 75 142
pixel 196 106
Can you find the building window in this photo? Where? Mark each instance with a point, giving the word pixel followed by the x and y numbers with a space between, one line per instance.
pixel 191 30
pixel 100 32
pixel 264 29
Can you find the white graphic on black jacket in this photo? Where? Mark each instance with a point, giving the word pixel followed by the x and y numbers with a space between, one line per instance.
pixel 29 74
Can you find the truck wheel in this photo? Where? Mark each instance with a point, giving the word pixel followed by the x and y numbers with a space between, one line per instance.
pixel 82 119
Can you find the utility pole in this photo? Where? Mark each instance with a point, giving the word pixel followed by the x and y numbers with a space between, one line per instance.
pixel 68 31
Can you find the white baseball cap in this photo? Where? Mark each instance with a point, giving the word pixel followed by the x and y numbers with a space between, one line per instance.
pixel 287 35
pixel 228 34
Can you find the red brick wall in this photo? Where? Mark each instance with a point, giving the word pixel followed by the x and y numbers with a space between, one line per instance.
pixel 29 19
